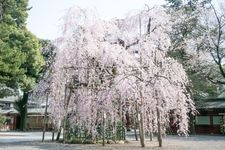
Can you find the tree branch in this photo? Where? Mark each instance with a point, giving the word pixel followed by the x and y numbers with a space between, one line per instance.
pixel 217 45
pixel 132 44
pixel 215 81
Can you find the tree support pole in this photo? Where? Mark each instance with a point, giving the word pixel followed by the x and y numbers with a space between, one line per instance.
pixel 45 119
pixel 103 128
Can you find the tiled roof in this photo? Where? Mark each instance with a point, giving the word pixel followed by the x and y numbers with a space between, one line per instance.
pixel 35 110
pixel 29 111
pixel 211 103
pixel 9 99
pixel 8 111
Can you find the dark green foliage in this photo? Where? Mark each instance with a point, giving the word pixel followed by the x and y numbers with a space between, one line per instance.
pixel 4 91
pixel 10 65
pixel 120 131
pixel 14 12
pixel 78 134
pixel 2 120
pixel 202 87
pixel 20 57
pixel 174 3
pixel 188 5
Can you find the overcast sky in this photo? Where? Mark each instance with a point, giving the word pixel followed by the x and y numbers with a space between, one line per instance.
pixel 44 17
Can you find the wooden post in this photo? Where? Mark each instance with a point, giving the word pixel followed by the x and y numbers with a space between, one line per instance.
pixel 103 128
pixel 45 118
pixel 114 129
pixel 135 128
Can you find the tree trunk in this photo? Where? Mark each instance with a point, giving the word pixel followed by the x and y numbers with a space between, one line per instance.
pixel 151 136
pixel 159 128
pixel 66 103
pixel 59 133
pixel 136 122
pixel 124 133
pixel 64 129
pixel 141 125
pixel 23 112
pixel 53 134
pixel 135 131
pixel 141 130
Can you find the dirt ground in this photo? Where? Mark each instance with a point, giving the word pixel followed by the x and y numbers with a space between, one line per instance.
pixel 169 143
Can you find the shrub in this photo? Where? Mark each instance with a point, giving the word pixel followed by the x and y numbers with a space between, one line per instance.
pixel 2 120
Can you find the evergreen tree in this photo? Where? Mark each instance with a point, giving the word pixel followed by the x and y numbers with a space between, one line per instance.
pixel 20 57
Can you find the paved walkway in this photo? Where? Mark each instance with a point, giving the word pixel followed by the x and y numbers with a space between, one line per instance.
pixel 11 137
pixel 198 142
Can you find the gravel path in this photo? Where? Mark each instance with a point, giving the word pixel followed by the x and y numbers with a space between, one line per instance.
pixel 169 143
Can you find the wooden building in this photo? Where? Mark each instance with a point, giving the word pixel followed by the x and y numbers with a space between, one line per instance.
pixel 11 115
pixel 35 119
pixel 211 117
pixel 35 115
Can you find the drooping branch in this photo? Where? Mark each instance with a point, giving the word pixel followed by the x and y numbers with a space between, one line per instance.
pixel 118 79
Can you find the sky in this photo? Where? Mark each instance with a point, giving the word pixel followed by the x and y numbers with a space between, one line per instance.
pixel 44 17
